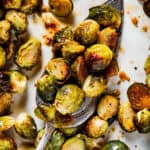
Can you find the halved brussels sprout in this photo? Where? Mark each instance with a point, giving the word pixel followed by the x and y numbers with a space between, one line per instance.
pixel 46 88
pixel 79 69
pixel 5 103
pixel 109 37
pixel 148 80
pixel 28 55
pixel 147 65
pixel 105 15
pixel 96 127
pixel 74 143
pixel 68 99
pixel 138 94
pixel 146 7
pixel 59 69
pixel 142 121
pixel 115 145
pixel 17 19
pixel 126 117
pixel 45 112
pixel 25 126
pixel 11 4
pixel 94 86
pixel 72 49
pixel 61 8
pixel 6 122
pixel 2 57
pixel 4 31
pixel 107 107
pixel 69 131
pixel 87 32
pixel 98 57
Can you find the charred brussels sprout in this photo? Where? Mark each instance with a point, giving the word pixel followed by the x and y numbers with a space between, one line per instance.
pixel 59 69
pixel 105 15
pixel 146 8
pixel 25 126
pixel 115 145
pixel 28 55
pixel 98 57
pixel 61 8
pixel 74 143
pixel 142 121
pixel 46 88
pixel 11 4
pixel 147 65
pixel 17 19
pixel 69 131
pixel 107 107
pixel 72 49
pixel 148 80
pixel 126 117
pixel 94 86
pixel 4 31
pixel 86 32
pixel 96 127
pixel 68 99
pixel 2 57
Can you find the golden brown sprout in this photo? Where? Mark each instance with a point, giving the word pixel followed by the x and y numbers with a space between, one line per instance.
pixel 11 4
pixel 2 57
pixel 69 131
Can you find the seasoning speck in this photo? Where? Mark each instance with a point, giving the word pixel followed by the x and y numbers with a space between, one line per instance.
pixel 134 21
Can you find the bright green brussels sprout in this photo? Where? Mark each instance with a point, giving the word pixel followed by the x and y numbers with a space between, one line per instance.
pixel 28 55
pixel 69 131
pixel 72 49
pixel 46 88
pixel 142 121
pixel 59 69
pixel 61 8
pixel 1 13
pixel 79 69
pixel 146 7
pixel 4 31
pixel 25 126
pixel 147 65
pixel 74 143
pixel 7 143
pixel 2 57
pixel 11 4
pixel 105 15
pixel 94 86
pixel 126 117
pixel 6 122
pixel 86 32
pixel 98 57
pixel 115 145
pixel 96 127
pixel 17 19
pixel 5 103
pixel 109 37
pixel 45 112
pixel 68 99
pixel 148 80
pixel 107 107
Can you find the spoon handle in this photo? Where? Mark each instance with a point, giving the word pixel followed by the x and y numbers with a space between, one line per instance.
pixel 47 134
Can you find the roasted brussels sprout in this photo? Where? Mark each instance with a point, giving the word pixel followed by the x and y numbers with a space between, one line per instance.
pixel 7 143
pixel 4 31
pixel 61 8
pixel 39 136
pixel 72 49
pixel 79 69
pixel 2 57
pixel 46 88
pixel 17 19
pixel 146 8
pixel 69 131
pixel 87 32
pixel 74 143
pixel 94 86
pixel 126 117
pixel 45 112
pixel 11 4
pixel 109 37
pixel 115 145
pixel 96 127
pixel 105 15
pixel 68 99
pixel 28 55
pixel 5 103
pixel 107 107
pixel 139 96
pixel 59 69
pixel 147 65
pixel 148 80
pixel 10 49
pixel 142 121
pixel 25 126
pixel 98 57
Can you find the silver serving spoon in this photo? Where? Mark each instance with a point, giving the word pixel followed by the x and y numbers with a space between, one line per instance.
pixel 87 108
